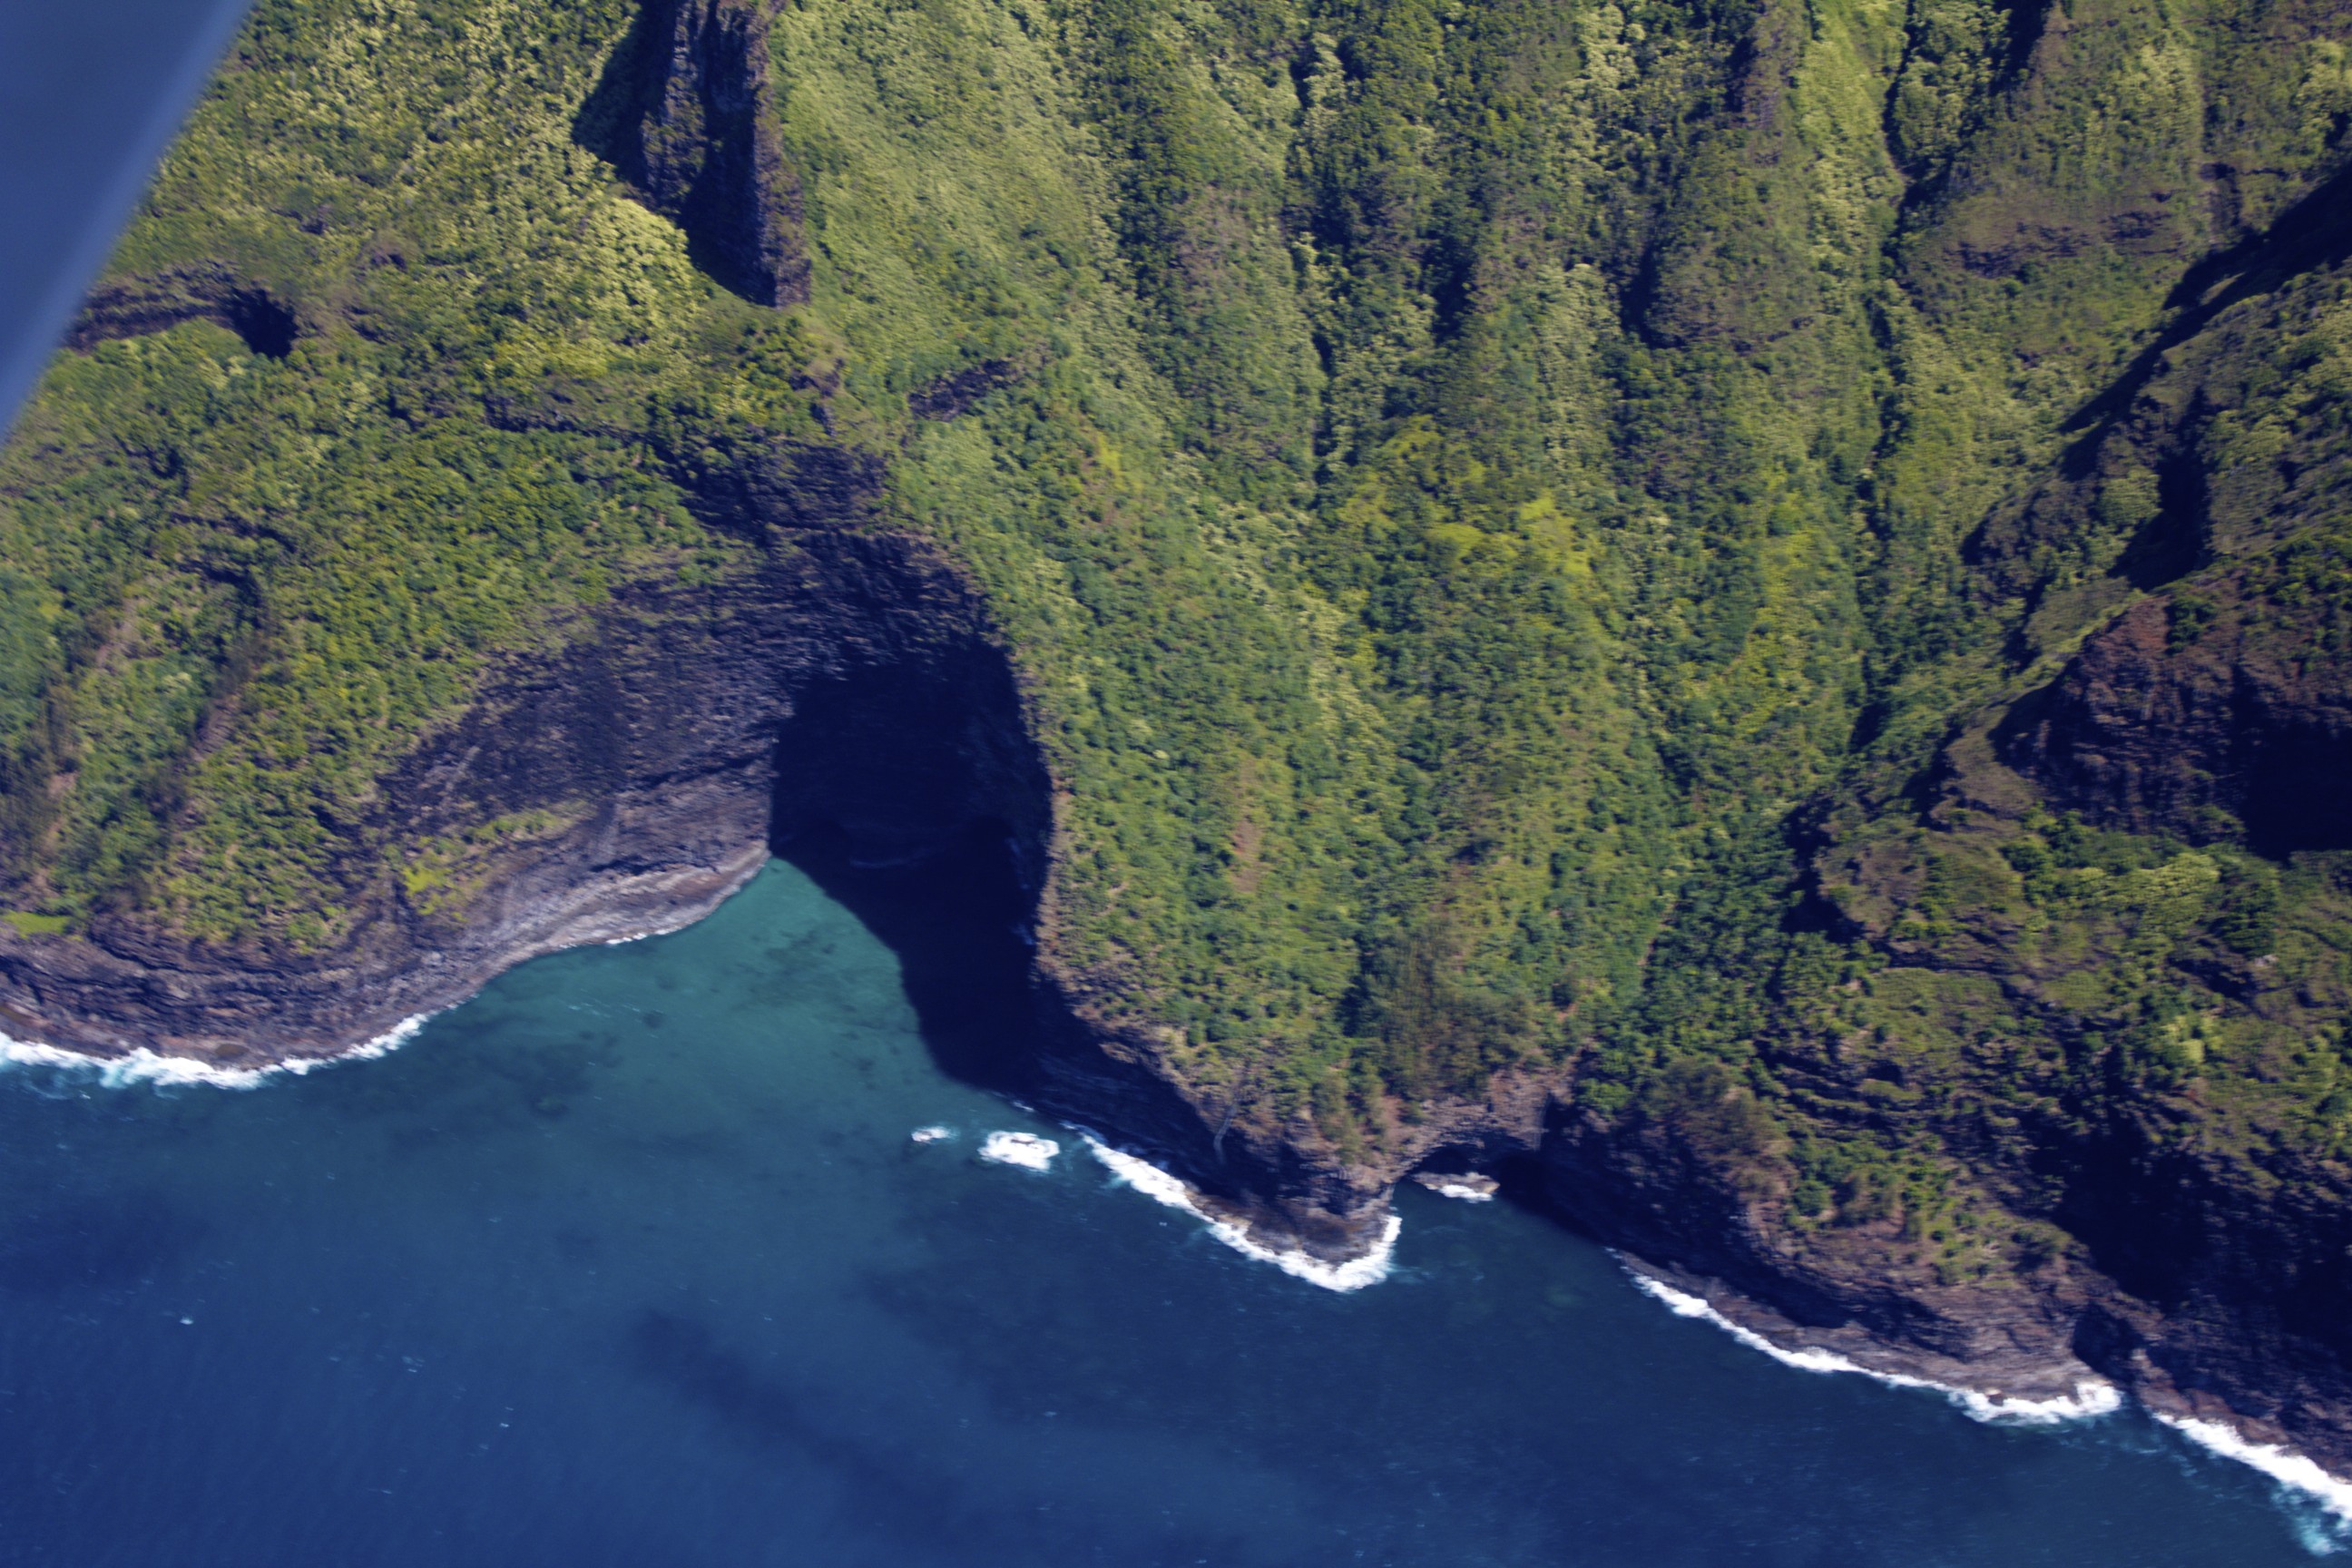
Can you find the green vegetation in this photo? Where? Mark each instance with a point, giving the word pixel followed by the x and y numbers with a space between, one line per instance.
pixel 1508 513
pixel 28 924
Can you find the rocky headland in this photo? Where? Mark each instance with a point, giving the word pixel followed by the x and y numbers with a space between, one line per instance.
pixel 1732 615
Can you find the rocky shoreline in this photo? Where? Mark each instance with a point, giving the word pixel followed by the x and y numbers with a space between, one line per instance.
pixel 188 1014
pixel 623 786
pixel 852 680
pixel 2015 1357
pixel 2009 1361
pixel 2029 1356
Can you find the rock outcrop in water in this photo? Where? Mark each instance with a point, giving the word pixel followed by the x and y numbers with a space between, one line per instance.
pixel 1732 612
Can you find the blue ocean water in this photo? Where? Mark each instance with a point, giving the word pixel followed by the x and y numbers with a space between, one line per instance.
pixel 632 1261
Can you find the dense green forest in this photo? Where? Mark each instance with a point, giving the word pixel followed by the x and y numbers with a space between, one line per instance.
pixel 1590 536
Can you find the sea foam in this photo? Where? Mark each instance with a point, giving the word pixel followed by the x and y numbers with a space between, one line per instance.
pixel 669 928
pixel 1468 1189
pixel 2299 1477
pixel 2092 1396
pixel 1025 1150
pixel 1161 1187
pixel 142 1066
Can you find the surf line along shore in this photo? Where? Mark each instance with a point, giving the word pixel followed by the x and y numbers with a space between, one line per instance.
pixel 2296 1474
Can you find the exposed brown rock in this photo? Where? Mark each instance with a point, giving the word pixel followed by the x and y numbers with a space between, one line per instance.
pixel 2191 716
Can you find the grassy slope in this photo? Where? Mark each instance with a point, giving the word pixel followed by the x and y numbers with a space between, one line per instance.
pixel 1485 487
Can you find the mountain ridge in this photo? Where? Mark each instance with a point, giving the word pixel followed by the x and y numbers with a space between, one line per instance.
pixel 1730 607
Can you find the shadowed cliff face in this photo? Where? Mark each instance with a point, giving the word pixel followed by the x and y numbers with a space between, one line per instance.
pixel 2182 718
pixel 626 783
pixel 843 701
pixel 1517 536
pixel 128 308
pixel 959 917
pixel 683 112
pixel 909 791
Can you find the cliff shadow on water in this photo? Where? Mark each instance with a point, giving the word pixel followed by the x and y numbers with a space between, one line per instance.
pixel 883 798
pixel 840 700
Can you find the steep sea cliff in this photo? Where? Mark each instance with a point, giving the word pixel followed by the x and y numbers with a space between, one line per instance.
pixel 634 1256
pixel 1730 612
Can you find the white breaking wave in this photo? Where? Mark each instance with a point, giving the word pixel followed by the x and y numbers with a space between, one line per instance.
pixel 672 929
pixel 2092 1396
pixel 934 1134
pixel 1161 1187
pixel 2298 1477
pixel 141 1065
pixel 1025 1150
pixel 1465 1194
pixel 1467 1190
pixel 2284 1466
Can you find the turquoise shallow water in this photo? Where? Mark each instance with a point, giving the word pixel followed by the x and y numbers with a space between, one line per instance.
pixel 631 1261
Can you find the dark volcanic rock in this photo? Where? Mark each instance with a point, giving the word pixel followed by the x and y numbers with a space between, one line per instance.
pixel 2229 1285
pixel 2196 1293
pixel 851 684
pixel 1689 1218
pixel 628 783
pixel 947 396
pixel 686 114
pixel 2187 715
pixel 133 307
